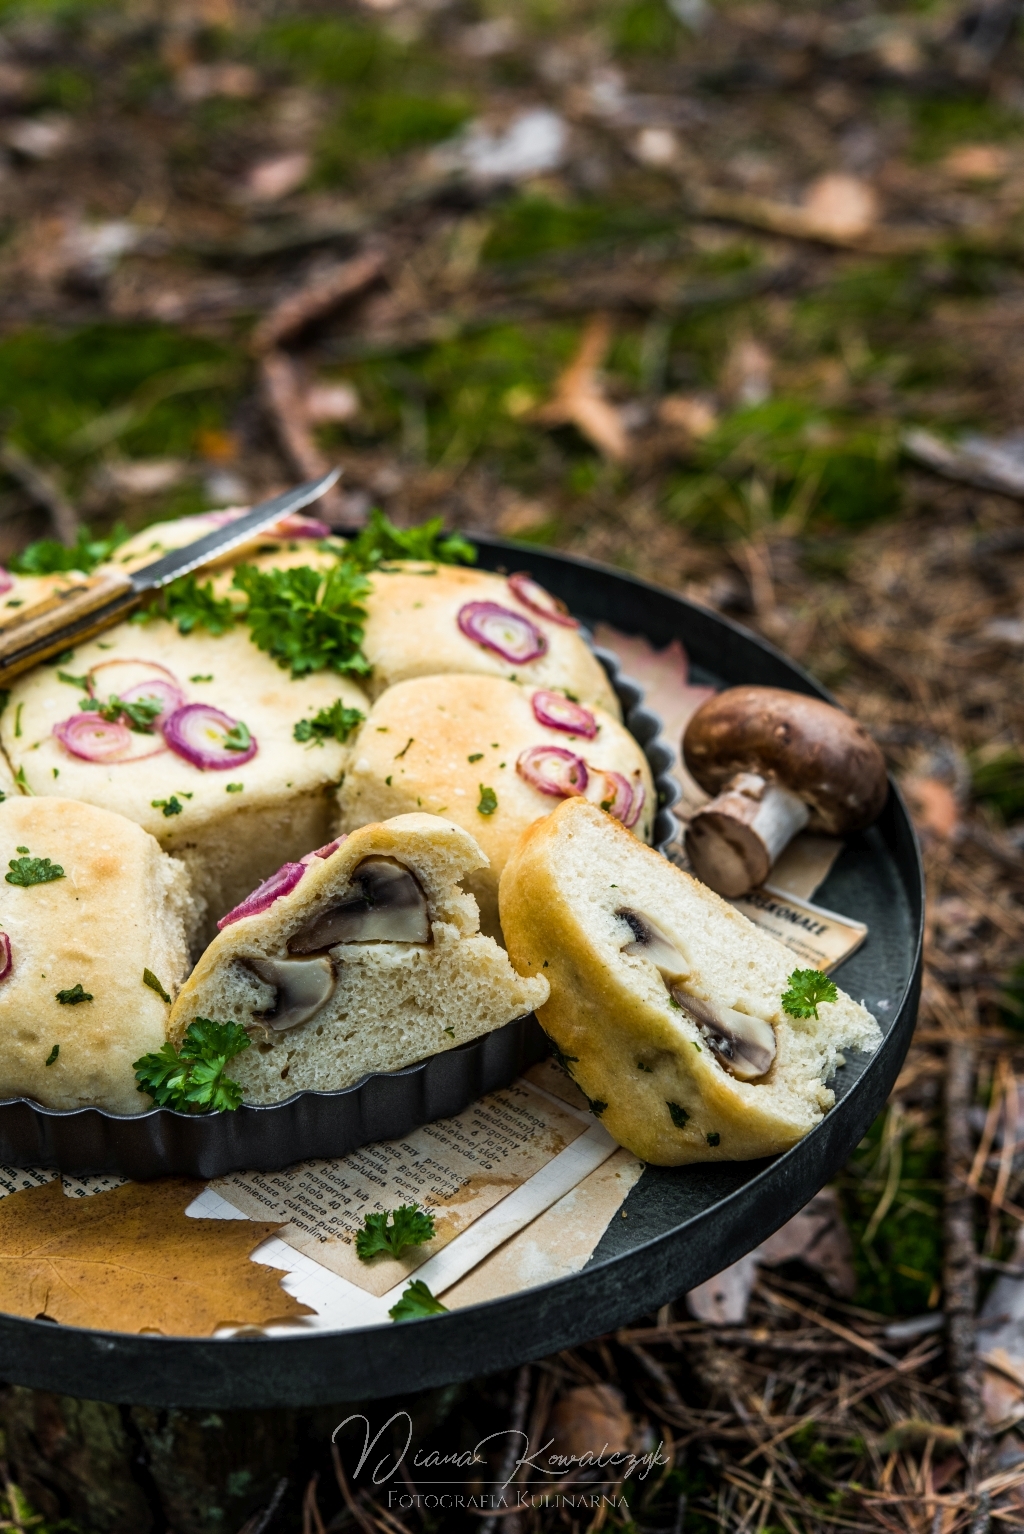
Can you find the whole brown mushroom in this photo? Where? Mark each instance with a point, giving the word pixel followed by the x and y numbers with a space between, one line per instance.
pixel 777 762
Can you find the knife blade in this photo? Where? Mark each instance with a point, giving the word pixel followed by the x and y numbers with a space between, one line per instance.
pixel 86 606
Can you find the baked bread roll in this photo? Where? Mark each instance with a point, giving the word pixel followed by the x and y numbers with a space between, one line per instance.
pixel 421 620
pixel 371 961
pixel 76 1009
pixel 233 822
pixel 475 749
pixel 666 1003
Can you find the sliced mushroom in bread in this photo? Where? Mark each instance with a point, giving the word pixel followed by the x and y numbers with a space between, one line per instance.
pixel 366 956
pixel 666 1004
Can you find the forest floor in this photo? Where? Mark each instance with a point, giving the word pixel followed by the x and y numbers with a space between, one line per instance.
pixel 671 285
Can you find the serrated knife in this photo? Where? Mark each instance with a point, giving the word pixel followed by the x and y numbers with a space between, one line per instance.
pixel 86 605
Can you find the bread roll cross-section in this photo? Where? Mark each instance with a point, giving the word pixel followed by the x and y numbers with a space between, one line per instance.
pixel 371 960
pixel 94 922
pixel 666 1004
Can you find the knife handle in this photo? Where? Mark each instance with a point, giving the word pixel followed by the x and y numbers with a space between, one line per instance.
pixel 70 613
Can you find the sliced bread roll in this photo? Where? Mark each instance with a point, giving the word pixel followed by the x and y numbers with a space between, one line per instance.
pixel 426 619
pixel 666 1004
pixel 476 749
pixel 95 922
pixel 371 961
pixel 233 821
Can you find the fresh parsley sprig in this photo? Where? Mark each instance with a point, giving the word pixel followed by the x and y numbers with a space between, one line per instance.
pixel 26 871
pixel 49 557
pixel 416 1301
pixel 409 1226
pixel 808 988
pixel 192 606
pixel 381 541
pixel 191 1079
pixel 337 721
pixel 306 619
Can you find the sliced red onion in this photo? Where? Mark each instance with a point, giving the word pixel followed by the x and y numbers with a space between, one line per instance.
pixel 561 713
pixel 553 770
pixel 6 957
pixel 508 634
pixel 639 799
pixel 322 852
pixel 280 883
pixel 6 584
pixel 613 792
pixel 168 694
pixel 297 526
pixel 199 733
pixel 94 739
pixel 533 596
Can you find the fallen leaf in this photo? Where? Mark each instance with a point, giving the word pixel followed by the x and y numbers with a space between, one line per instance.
pixel 977 162
pixel 688 413
pixel 840 205
pixel 131 1260
pixel 331 403
pixel 933 805
pixel 723 1300
pixel 591 1419
pixel 579 399
pixel 270 179
pixel 656 146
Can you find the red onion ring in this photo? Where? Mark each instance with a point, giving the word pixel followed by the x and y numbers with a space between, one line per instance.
pixel 553 770
pixel 280 883
pixel 6 957
pixel 508 634
pixel 614 793
pixel 639 799
pixel 532 595
pixel 561 713
pixel 6 584
pixel 198 732
pixel 93 739
pixel 323 852
pixel 168 694
pixel 297 526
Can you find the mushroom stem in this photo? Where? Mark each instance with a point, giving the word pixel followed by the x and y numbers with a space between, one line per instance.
pixel 733 841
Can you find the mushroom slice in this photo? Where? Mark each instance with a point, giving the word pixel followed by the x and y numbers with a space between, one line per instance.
pixel 745 1045
pixel 650 942
pixel 387 906
pixel 303 986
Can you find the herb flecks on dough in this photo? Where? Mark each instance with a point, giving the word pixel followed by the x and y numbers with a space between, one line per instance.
pixel 394 1233
pixel 171 806
pixel 51 1058
pixel 337 721
pixel 192 1079
pixel 72 997
pixel 26 871
pixel 679 1115
pixel 139 716
pixel 488 801
pixel 306 619
pixel 416 1301
pixel 808 988
pixel 148 978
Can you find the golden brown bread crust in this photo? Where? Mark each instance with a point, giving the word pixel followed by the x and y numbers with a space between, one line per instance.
pixel 818 752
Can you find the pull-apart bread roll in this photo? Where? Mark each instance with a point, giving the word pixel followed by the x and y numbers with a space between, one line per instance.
pixel 424 619
pixel 492 756
pixel 666 1004
pixel 94 921
pixel 192 736
pixel 370 960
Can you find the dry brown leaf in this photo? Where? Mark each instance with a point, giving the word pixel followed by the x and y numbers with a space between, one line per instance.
pixel 131 1260
pixel 591 1418
pixel 933 805
pixel 977 162
pixel 840 205
pixel 579 397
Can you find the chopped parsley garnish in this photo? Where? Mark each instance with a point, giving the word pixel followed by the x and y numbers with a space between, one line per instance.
pixel 192 1079
pixel 17 719
pixel 808 988
pixel 148 978
pixel 679 1115
pixel 477 756
pixel 488 801
pixel 72 997
pixel 139 716
pixel 713 1138
pixel 595 1105
pixel 171 806
pixel 305 619
pixel 207 677
pixel 49 557
pixel 337 721
pixel 561 1058
pixel 381 541
pixel 21 849
pixel 26 871
pixel 400 754
pixel 83 683
pixel 409 1226
pixel 238 737
pixel 233 788
pixel 416 1301
pixel 51 1058
pixel 22 782
pixel 192 606
pixel 5 698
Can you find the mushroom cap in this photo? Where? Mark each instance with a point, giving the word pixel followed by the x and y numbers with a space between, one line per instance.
pixel 800 743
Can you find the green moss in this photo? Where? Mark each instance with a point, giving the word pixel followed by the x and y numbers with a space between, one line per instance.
pixel 530 226
pixel 388 122
pixel 999 783
pixel 333 50
pixel 645 27
pixel 940 123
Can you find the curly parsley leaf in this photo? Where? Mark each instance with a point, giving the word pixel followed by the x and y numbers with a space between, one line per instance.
pixel 26 871
pixel 808 988
pixel 337 722
pixel 307 620
pixel 49 557
pixel 191 1079
pixel 416 1301
pixel 194 606
pixel 381 541
pixel 409 1226
pixel 72 997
